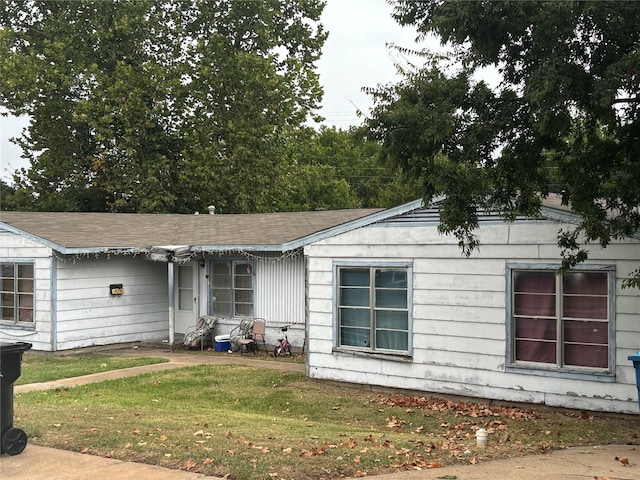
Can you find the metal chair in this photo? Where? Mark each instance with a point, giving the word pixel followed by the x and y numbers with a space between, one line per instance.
pixel 253 335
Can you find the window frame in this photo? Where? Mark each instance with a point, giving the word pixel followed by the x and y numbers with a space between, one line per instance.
pixel 559 369
pixel 371 349
pixel 233 288
pixel 16 322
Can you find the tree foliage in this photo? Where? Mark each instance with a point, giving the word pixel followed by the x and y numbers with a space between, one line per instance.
pixel 564 118
pixel 334 168
pixel 158 106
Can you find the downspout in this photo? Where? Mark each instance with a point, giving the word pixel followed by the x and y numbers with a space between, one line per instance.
pixel 53 286
pixel 172 316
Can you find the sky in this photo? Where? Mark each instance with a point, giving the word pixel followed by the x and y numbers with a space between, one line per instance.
pixel 354 56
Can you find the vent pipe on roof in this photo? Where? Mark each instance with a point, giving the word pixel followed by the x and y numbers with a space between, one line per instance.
pixel 212 209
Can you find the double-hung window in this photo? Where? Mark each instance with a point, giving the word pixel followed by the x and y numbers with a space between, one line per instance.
pixel 231 285
pixel 561 321
pixel 16 294
pixel 373 308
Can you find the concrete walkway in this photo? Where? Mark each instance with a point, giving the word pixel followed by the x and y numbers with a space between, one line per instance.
pixel 40 463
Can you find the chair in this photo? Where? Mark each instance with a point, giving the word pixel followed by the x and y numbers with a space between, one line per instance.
pixel 254 335
pixel 200 332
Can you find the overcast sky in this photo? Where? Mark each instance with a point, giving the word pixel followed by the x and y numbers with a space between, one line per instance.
pixel 354 56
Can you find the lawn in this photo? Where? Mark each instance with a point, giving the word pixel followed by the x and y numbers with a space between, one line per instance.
pixel 44 366
pixel 263 423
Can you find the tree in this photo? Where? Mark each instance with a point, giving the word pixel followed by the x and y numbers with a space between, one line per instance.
pixel 564 118
pixel 158 106
pixel 334 168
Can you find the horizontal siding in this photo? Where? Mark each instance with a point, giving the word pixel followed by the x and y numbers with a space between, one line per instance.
pixel 459 314
pixel 16 248
pixel 89 315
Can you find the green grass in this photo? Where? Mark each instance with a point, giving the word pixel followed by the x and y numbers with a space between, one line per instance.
pixel 262 423
pixel 43 367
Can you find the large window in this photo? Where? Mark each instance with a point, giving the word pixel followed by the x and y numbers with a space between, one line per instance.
pixel 16 295
pixel 231 288
pixel 373 309
pixel 560 321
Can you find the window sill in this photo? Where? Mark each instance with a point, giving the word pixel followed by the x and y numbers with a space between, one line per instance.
pixel 17 326
pixel 392 357
pixel 594 375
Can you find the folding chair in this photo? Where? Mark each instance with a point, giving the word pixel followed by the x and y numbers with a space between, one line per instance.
pixel 254 336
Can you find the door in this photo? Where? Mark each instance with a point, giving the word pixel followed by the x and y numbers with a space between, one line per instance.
pixel 186 295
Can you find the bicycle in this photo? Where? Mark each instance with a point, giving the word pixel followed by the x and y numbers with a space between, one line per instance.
pixel 283 346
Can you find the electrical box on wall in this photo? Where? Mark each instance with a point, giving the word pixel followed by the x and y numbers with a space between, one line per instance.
pixel 116 289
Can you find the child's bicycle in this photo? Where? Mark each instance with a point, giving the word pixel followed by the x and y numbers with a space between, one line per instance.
pixel 284 346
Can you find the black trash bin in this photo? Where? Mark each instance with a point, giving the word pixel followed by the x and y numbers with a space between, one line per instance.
pixel 635 358
pixel 12 440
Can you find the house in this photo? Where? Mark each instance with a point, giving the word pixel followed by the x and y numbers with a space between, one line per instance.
pixel 377 297
pixel 395 304
pixel 73 280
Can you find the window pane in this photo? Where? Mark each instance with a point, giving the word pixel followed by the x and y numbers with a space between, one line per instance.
pixel 392 319
pixel 535 282
pixel 221 275
pixel 535 351
pixel 391 278
pixel 586 332
pixel 185 276
pixel 243 296
pixel 355 317
pixel 392 340
pixel 354 277
pixel 585 283
pixel 585 307
pixel 185 300
pixel 391 298
pixel 541 305
pixel 595 356
pixel 354 296
pixel 25 271
pixel 355 337
pixel 6 270
pixel 536 328
pixel 244 309
pixel 221 308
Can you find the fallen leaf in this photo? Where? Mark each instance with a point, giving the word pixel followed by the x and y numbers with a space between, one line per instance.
pixel 190 464
pixel 207 461
pixel 359 474
pixel 624 461
pixel 85 450
pixel 162 438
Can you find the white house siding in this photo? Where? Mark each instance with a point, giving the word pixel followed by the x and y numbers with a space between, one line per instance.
pixel 459 315
pixel 14 248
pixel 87 314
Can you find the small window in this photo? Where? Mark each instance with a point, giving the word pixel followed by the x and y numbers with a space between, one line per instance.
pixel 373 309
pixel 231 288
pixel 560 321
pixel 16 294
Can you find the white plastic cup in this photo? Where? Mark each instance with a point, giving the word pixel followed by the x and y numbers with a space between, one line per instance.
pixel 482 438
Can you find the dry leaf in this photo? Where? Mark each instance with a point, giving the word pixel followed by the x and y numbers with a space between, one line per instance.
pixel 190 464
pixel 624 461
pixel 85 450
pixel 207 461
pixel 286 451
pixel 359 474
pixel 162 438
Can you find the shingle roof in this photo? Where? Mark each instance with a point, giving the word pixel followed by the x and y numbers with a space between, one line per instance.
pixel 93 231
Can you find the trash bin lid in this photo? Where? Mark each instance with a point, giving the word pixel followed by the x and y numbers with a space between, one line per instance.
pixel 19 347
pixel 634 357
